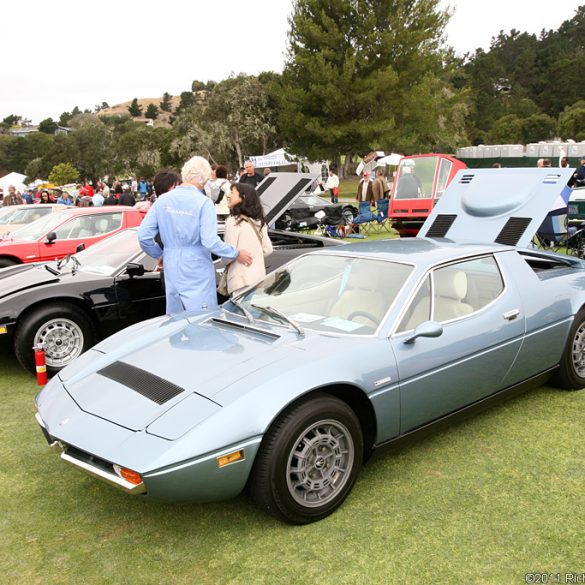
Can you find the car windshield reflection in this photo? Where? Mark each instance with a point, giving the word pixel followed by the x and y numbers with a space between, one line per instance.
pixel 38 228
pixel 333 294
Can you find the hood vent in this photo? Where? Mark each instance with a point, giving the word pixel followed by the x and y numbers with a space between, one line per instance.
pixel 513 231
pixel 441 226
pixel 150 386
pixel 551 179
pixel 466 179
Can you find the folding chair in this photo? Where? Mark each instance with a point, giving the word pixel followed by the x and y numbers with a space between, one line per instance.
pixel 552 233
pixel 382 219
pixel 364 219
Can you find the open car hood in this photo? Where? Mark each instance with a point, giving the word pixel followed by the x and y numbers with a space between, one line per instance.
pixel 280 190
pixel 506 206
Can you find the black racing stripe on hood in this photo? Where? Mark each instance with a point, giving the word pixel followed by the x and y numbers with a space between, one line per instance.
pixel 148 385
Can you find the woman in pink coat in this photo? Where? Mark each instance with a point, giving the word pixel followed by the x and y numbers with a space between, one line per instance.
pixel 246 228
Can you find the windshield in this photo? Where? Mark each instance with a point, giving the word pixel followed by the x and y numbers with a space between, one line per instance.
pixel 38 228
pixel 109 255
pixel 21 215
pixel 327 293
pixel 416 177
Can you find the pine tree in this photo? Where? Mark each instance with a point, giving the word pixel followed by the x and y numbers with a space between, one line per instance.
pixel 166 105
pixel 135 109
pixel 151 112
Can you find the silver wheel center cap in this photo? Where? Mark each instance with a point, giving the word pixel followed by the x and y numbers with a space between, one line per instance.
pixel 319 463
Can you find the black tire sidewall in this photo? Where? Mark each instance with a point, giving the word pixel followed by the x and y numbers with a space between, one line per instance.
pixel 28 327
pixel 567 377
pixel 304 415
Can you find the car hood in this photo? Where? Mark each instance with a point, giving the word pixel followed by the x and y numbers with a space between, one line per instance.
pixel 506 206
pixel 137 375
pixel 22 277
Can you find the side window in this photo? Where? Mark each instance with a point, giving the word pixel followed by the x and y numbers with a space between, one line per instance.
pixel 464 288
pixel 420 308
pixel 89 226
pixel 444 171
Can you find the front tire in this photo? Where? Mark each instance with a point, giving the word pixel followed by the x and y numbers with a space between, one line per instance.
pixel 309 460
pixel 5 262
pixel 571 373
pixel 65 331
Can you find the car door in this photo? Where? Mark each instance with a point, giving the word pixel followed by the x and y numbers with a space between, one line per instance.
pixel 87 229
pixel 483 328
pixel 140 297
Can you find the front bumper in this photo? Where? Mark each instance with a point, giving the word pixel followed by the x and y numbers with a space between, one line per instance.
pixel 89 464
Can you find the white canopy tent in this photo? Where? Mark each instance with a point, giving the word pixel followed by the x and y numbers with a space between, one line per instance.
pixel 15 179
pixel 282 161
pixel 377 159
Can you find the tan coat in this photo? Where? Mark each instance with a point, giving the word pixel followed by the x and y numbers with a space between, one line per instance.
pixel 379 187
pixel 243 237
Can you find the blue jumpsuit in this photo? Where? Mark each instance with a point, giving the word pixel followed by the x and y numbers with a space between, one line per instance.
pixel 186 220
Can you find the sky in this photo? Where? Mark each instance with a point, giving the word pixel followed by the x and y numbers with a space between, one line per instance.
pixel 63 53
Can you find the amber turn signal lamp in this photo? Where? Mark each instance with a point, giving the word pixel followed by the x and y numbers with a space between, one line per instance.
pixel 130 476
pixel 230 458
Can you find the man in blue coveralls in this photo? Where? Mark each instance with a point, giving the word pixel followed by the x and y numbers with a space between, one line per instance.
pixel 186 221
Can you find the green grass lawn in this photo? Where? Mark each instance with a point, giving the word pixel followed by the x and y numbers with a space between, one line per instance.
pixel 486 501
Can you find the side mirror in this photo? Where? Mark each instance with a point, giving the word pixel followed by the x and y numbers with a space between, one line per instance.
pixel 426 329
pixel 134 269
pixel 51 237
pixel 80 248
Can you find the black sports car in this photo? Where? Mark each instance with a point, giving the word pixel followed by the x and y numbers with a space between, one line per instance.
pixel 302 214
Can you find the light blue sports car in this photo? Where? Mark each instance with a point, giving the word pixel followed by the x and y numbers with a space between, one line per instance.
pixel 290 386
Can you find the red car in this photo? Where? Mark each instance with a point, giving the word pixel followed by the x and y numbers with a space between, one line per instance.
pixel 58 234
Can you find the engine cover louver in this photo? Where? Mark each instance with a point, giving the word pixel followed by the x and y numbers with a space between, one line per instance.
pixel 148 385
pixel 441 226
pixel 511 233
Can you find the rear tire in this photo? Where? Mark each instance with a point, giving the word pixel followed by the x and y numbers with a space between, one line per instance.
pixel 571 372
pixel 308 461
pixel 65 330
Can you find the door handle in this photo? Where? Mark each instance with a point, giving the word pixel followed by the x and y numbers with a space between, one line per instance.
pixel 511 315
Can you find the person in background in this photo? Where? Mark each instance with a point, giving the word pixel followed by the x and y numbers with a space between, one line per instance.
pixel 251 177
pixel 332 186
pixel 185 220
pixel 45 197
pixel 27 197
pixel 142 189
pixel 134 186
pixel 379 186
pixel 221 205
pixel 497 165
pixel 546 162
pixel 64 199
pixel 364 190
pixel 12 197
pixel 164 181
pixel 241 172
pixel 246 228
pixel 126 198
pixel 98 198
pixel 267 171
pixel 111 199
pixel 578 178
pixel 564 162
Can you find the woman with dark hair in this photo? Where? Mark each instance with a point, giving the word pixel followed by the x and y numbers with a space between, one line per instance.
pixel 246 229
pixel 45 197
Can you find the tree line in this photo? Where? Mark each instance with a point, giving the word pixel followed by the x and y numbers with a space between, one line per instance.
pixel 359 75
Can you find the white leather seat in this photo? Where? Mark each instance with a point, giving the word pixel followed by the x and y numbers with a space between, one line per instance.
pixel 450 288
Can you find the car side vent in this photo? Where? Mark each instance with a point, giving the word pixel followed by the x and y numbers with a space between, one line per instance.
pixel 466 179
pixel 551 179
pixel 513 231
pixel 150 386
pixel 441 226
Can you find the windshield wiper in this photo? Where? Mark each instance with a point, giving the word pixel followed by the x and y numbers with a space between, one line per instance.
pixel 247 313
pixel 280 315
pixel 52 270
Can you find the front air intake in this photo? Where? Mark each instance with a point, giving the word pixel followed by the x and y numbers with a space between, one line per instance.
pixel 150 386
pixel 513 231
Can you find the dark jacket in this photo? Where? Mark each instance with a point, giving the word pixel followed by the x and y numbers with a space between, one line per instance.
pixel 251 180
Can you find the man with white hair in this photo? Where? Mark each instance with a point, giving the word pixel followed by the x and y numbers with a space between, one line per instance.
pixel 251 177
pixel 186 222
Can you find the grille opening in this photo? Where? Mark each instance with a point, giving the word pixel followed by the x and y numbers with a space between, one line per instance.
pixel 466 179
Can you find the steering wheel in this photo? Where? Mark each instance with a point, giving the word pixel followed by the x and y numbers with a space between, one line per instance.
pixel 365 314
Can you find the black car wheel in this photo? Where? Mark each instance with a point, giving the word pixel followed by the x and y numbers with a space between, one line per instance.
pixel 571 373
pixel 309 460
pixel 4 262
pixel 349 214
pixel 63 329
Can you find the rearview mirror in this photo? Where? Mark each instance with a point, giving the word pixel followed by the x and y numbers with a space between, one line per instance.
pixel 426 329
pixel 134 269
pixel 51 237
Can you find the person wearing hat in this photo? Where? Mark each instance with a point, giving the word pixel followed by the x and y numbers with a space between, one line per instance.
pixel 364 190
pixel 126 198
pixel 578 178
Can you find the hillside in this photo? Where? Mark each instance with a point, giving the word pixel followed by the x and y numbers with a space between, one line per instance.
pixel 163 119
